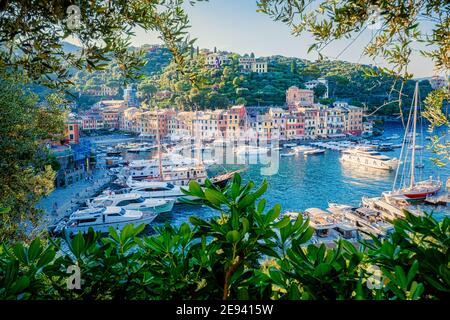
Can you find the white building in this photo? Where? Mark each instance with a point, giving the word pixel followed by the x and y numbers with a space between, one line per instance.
pixel 314 83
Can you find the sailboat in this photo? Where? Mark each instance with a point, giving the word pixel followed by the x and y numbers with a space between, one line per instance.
pixel 413 189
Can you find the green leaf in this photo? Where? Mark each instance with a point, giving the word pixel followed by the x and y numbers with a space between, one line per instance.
pixel 306 235
pixel 245 225
pixel 77 245
pixel 34 250
pixel 195 189
pixel 261 190
pixel 282 223
pixel 261 205
pixel 274 213
pixel 46 258
pixel 416 290
pixel 215 197
pixel 322 269
pixel 21 253
pixel 233 236
pixel 412 272
pixel 401 277
pixel 246 201
pixel 20 285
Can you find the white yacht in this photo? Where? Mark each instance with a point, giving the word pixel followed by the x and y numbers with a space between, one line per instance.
pixel 175 169
pixel 375 219
pixel 367 157
pixel 321 221
pixel 388 210
pixel 156 189
pixel 342 212
pixel 101 219
pixel 133 201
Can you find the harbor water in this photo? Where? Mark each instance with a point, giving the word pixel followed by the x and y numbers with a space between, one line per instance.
pixel 314 181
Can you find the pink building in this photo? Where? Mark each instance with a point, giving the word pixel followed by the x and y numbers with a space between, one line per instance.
pixel 299 97
pixel 296 122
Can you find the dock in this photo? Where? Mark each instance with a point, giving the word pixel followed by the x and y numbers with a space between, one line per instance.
pixel 439 199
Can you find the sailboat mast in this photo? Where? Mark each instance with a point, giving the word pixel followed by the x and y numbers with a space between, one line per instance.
pixel 158 137
pixel 413 151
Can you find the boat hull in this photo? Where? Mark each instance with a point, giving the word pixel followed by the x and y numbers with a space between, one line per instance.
pixel 104 227
pixel 420 194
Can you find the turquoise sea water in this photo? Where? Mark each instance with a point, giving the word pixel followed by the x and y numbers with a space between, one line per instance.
pixel 314 181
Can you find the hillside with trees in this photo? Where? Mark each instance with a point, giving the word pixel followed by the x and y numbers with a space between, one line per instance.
pixel 221 86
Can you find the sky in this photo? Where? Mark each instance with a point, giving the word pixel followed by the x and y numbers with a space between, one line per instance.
pixel 234 25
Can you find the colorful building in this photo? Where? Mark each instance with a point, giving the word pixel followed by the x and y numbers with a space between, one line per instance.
pixel 299 97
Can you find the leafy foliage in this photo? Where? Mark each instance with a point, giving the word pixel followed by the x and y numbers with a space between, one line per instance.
pixel 25 163
pixel 246 252
pixel 32 34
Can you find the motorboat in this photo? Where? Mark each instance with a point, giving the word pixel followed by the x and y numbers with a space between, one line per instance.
pixel 321 221
pixel 313 152
pixel 290 145
pixel 385 147
pixel 393 137
pixel 114 161
pixel 375 218
pixel 133 201
pixel 301 149
pixel 103 218
pixel 156 189
pixel 288 154
pixel 388 210
pixel 347 214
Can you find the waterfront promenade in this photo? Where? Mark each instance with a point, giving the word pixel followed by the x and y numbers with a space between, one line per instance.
pixel 63 201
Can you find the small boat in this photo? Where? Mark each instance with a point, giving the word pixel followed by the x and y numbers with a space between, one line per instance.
pixel 133 201
pixel 139 149
pixel 101 219
pixel 222 179
pixel 114 161
pixel 289 154
pixel 290 145
pixel 301 149
pixel 393 137
pixel 385 147
pixel 314 151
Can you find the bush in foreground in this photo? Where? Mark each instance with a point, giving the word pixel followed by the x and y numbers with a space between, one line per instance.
pixel 245 252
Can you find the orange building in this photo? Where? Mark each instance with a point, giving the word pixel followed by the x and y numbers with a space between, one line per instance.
pixel 299 97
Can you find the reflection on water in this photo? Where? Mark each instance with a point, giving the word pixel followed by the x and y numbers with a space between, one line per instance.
pixel 355 171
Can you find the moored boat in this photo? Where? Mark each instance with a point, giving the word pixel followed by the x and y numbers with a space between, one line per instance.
pixel 133 201
pixel 101 219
